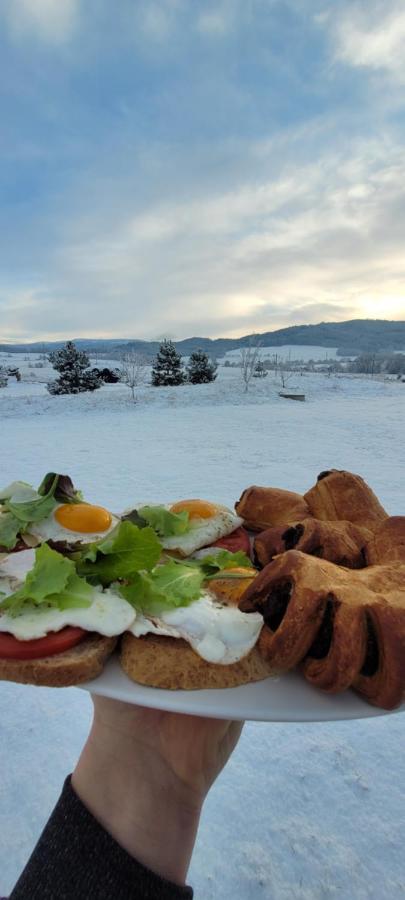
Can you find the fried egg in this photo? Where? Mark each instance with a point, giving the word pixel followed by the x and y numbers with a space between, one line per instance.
pixel 73 522
pixel 219 634
pixel 109 614
pixel 207 522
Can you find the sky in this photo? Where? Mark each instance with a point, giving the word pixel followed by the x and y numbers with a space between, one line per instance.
pixel 178 168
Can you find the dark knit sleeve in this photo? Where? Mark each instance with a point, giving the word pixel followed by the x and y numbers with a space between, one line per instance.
pixel 76 859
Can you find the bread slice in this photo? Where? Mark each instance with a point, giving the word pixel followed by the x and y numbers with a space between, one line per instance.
pixel 81 663
pixel 170 663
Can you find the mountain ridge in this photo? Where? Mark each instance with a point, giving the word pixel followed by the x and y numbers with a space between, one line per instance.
pixel 350 337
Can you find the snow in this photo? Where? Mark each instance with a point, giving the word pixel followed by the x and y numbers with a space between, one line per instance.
pixel 293 352
pixel 301 811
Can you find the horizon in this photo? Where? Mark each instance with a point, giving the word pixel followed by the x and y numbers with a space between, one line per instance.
pixel 225 171
pixel 190 337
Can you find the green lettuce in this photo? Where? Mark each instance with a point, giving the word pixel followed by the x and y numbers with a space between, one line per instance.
pixel 125 551
pixel 164 522
pixel 168 586
pixel 9 530
pixel 214 563
pixel 52 581
pixel 27 505
pixel 176 583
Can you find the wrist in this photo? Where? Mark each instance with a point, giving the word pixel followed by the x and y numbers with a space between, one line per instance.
pixel 139 802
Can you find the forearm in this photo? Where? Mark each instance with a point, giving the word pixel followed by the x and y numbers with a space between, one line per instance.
pixel 138 804
pixel 76 858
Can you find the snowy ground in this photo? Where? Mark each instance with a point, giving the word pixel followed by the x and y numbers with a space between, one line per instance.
pixel 302 812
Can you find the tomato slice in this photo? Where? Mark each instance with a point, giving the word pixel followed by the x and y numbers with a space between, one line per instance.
pixel 238 540
pixel 54 642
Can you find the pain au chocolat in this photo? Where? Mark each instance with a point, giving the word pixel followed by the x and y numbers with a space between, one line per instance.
pixel 340 495
pixel 338 542
pixel 387 545
pixel 346 627
pixel 262 507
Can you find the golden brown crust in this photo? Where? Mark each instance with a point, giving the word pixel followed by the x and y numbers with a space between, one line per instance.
pixel 338 542
pixel 81 663
pixel 349 625
pixel 342 495
pixel 262 507
pixel 388 543
pixel 292 609
pixel 170 663
pixel 336 669
pixel 382 678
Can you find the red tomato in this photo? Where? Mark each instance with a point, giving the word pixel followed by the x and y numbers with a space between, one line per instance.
pixel 238 540
pixel 54 642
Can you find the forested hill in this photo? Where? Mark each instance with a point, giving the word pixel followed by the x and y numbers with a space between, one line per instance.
pixel 352 337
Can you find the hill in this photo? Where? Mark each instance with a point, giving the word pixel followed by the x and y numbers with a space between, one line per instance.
pixel 351 337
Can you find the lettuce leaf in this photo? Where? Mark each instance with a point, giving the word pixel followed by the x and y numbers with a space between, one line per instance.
pixel 164 522
pixel 125 551
pixel 9 529
pixel 8 491
pixel 53 581
pixel 28 505
pixel 63 488
pixel 214 563
pixel 166 587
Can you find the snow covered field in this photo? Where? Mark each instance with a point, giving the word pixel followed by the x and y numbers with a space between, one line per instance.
pixel 302 812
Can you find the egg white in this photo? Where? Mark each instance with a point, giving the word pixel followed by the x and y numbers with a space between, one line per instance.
pixel 49 529
pixel 219 634
pixel 202 531
pixel 109 614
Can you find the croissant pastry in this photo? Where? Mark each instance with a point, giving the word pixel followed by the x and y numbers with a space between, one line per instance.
pixel 388 542
pixel 264 506
pixel 347 627
pixel 338 542
pixel 342 495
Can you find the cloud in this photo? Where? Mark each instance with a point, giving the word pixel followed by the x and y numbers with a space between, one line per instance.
pixel 298 243
pixel 369 35
pixel 52 21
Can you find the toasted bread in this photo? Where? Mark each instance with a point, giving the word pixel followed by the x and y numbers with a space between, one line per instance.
pixel 81 663
pixel 170 663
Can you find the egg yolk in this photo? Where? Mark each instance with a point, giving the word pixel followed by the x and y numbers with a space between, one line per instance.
pixel 83 517
pixel 197 509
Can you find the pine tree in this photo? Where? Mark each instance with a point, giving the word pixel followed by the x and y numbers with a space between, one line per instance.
pixel 72 365
pixel 201 369
pixel 259 370
pixel 168 368
pixel 3 377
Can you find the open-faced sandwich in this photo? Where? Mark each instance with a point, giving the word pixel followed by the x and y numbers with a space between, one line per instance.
pixel 173 586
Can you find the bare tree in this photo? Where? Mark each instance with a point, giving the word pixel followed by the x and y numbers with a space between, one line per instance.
pixel 249 357
pixel 285 374
pixel 133 367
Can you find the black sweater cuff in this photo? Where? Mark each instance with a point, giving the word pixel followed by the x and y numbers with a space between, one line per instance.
pixel 76 859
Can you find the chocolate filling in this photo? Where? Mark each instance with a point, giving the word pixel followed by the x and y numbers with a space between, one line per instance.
pixel 292 536
pixel 256 560
pixel 372 659
pixel 324 474
pixel 275 604
pixel 321 645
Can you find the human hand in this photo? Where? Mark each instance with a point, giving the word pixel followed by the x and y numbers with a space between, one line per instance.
pixel 144 774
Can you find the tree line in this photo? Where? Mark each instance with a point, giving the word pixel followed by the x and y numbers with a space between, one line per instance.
pixel 76 376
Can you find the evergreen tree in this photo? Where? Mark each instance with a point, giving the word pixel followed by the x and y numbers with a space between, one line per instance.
pixel 168 368
pixel 72 365
pixel 201 369
pixel 3 377
pixel 259 370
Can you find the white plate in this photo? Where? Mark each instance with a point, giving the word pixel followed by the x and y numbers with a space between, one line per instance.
pixel 288 698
